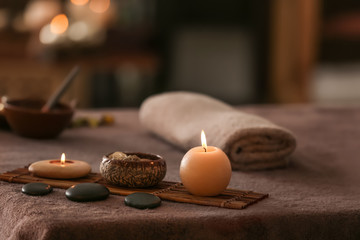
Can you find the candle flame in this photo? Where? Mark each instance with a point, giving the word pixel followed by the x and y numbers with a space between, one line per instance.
pixel 203 140
pixel 62 161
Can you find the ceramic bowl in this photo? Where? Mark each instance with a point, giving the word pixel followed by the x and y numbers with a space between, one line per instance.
pixel 26 118
pixel 147 172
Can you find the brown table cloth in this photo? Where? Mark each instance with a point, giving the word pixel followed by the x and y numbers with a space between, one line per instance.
pixel 316 197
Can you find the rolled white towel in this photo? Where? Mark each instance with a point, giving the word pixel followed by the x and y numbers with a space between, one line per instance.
pixel 251 142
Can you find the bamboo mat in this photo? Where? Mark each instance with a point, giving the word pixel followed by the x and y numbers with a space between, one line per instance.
pixel 172 191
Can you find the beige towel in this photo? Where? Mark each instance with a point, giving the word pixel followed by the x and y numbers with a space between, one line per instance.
pixel 251 142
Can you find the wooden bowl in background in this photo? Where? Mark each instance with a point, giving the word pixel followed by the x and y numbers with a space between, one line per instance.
pixel 26 118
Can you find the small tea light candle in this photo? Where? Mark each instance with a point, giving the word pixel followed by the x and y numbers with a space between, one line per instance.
pixel 206 170
pixel 60 169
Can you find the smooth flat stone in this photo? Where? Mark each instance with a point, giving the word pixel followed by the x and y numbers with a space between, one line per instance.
pixel 36 189
pixel 142 200
pixel 85 192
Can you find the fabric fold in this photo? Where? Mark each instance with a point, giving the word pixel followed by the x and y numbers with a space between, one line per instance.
pixel 251 142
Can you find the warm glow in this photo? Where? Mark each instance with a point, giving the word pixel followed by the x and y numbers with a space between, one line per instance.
pixel 62 161
pixel 79 2
pixel 2 102
pixel 59 24
pixel 99 6
pixel 46 36
pixel 78 31
pixel 203 140
pixel 38 13
pixel 4 99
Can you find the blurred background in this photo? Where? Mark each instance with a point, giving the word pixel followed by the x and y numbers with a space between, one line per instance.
pixel 240 51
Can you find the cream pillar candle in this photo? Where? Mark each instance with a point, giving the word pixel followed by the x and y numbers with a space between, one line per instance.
pixel 60 169
pixel 206 170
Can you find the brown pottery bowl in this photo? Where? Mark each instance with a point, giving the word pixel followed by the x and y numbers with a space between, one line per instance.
pixel 147 172
pixel 26 118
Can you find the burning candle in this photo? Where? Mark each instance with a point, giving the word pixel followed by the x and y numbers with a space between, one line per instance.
pixel 205 170
pixel 60 168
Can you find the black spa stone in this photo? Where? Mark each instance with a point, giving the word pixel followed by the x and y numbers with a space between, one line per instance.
pixel 142 200
pixel 36 189
pixel 85 192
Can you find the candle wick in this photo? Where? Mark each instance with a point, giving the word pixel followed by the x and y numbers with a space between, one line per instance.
pixel 204 148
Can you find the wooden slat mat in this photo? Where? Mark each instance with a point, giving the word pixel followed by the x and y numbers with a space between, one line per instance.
pixel 172 191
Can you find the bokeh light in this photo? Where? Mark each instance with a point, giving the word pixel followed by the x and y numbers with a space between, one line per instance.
pixel 39 13
pixel 78 31
pixel 46 36
pixel 79 2
pixel 59 24
pixel 99 6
